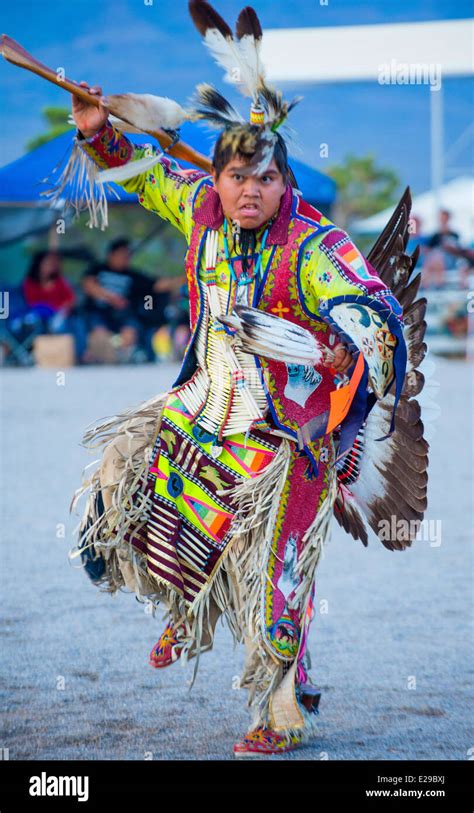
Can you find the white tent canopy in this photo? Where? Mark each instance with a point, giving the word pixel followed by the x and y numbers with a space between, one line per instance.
pixel 421 53
pixel 457 197
pixel 357 52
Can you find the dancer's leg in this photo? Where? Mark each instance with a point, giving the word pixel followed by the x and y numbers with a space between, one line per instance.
pixel 278 583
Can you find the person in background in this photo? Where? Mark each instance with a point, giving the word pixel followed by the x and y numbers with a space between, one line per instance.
pixel 439 258
pixel 112 289
pixel 120 299
pixel 52 300
pixel 444 235
pixel 45 285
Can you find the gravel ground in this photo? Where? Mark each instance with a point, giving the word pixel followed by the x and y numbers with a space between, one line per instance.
pixel 392 653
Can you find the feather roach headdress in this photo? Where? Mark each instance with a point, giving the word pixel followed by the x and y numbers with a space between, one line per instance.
pixel 239 55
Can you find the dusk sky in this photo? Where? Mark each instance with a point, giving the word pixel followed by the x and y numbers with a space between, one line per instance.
pixel 126 45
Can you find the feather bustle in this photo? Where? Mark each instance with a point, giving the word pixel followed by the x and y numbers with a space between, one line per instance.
pixel 391 478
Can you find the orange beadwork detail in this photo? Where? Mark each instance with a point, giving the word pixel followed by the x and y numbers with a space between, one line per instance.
pixel 280 309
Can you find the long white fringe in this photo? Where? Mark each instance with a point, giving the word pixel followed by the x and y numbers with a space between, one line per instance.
pixel 77 186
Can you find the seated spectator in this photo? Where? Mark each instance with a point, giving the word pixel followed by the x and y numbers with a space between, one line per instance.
pixel 112 289
pixel 45 286
pixel 51 300
pixel 120 299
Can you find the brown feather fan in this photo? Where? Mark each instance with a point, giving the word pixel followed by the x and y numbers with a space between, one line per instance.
pixel 385 483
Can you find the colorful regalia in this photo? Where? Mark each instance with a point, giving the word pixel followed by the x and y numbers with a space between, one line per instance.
pixel 215 499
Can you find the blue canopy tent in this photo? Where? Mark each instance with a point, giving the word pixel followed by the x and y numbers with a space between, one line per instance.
pixel 23 210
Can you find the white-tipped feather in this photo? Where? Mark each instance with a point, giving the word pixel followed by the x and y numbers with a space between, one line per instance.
pixel 250 54
pixel 146 111
pixel 240 69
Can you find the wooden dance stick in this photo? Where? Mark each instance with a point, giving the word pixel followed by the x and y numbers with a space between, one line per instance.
pixel 13 52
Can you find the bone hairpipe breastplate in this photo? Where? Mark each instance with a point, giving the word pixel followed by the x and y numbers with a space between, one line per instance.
pixel 212 385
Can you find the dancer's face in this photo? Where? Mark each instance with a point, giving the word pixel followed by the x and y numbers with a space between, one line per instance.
pixel 249 199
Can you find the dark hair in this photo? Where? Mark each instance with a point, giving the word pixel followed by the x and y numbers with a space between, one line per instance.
pixel 224 151
pixel 119 242
pixel 33 272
